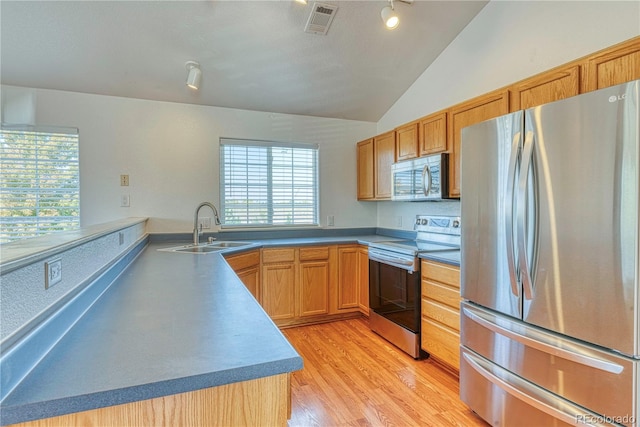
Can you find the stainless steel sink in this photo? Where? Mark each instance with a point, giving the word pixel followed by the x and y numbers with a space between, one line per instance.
pixel 205 248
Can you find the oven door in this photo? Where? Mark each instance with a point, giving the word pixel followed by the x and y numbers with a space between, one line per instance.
pixel 394 293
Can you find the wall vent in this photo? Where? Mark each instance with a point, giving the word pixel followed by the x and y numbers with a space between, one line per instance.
pixel 320 18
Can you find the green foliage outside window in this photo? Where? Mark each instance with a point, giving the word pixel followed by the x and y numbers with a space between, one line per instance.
pixel 39 182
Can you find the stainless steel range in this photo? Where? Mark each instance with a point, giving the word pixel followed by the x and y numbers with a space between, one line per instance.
pixel 394 279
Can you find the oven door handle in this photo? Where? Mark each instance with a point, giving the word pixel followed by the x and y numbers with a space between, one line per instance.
pixel 388 259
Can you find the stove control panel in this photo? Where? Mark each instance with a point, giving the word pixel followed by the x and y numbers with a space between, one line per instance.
pixel 437 224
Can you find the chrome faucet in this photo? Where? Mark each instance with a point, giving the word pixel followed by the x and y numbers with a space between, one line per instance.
pixel 198 231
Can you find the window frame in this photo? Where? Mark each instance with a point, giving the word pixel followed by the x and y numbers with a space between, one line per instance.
pixel 270 145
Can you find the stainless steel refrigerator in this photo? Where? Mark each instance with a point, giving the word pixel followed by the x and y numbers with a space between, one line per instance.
pixel 550 317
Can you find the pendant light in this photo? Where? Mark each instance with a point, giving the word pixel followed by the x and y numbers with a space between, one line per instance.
pixel 389 16
pixel 194 75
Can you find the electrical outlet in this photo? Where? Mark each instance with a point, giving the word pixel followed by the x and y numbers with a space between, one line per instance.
pixel 125 201
pixel 204 223
pixel 52 272
pixel 121 238
pixel 331 220
pixel 124 180
pixel 398 221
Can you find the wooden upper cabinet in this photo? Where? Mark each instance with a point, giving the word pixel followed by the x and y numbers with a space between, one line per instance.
pixel 479 109
pixel 616 65
pixel 365 170
pixel 547 87
pixel 407 141
pixel 433 134
pixel 384 154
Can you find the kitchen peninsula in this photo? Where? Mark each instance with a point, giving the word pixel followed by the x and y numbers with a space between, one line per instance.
pixel 173 340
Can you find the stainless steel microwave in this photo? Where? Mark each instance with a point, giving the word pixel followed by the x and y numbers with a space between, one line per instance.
pixel 424 178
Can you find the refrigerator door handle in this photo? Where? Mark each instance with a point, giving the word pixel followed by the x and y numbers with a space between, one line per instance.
pixel 490 322
pixel 531 394
pixel 426 180
pixel 525 165
pixel 511 243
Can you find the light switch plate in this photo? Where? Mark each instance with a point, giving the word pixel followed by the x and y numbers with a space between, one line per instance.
pixel 52 272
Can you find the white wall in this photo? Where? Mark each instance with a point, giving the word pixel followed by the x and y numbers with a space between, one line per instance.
pixel 507 42
pixel 170 152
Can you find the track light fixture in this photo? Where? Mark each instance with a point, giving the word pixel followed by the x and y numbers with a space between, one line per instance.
pixel 194 74
pixel 389 15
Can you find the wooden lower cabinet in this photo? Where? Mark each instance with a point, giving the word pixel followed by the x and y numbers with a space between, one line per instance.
pixel 363 279
pixel 260 402
pixel 247 267
pixel 311 284
pixel 347 277
pixel 314 279
pixel 441 312
pixel 278 290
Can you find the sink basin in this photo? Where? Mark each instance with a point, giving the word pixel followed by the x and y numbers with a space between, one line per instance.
pixel 227 244
pixel 205 248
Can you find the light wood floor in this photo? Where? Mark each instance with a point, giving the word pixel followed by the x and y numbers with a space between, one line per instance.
pixel 352 377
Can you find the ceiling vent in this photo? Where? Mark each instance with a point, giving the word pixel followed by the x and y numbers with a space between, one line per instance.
pixel 320 18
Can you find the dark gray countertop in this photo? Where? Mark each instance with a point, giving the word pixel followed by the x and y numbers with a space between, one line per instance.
pixel 447 257
pixel 170 323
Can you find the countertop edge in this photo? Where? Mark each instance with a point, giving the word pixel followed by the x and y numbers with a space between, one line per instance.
pixel 52 244
pixel 73 404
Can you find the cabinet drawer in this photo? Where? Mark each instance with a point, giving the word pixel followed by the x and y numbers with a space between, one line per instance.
pixel 441 313
pixel 278 255
pixel 441 272
pixel 441 342
pixel 314 253
pixel 441 293
pixel 242 261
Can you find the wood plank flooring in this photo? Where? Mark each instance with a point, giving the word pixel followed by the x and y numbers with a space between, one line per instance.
pixel 353 377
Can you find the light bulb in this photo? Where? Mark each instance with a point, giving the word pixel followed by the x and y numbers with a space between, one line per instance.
pixel 389 17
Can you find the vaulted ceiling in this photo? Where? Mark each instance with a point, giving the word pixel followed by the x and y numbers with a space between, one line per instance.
pixel 254 55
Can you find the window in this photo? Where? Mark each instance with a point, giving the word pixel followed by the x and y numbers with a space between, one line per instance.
pixel 268 183
pixel 39 181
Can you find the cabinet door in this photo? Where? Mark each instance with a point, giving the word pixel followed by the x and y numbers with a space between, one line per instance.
pixel 477 110
pixel 365 170
pixel 407 141
pixel 616 65
pixel 314 288
pixel 348 277
pixel 251 279
pixel 363 279
pixel 433 134
pixel 384 149
pixel 278 290
pixel 547 87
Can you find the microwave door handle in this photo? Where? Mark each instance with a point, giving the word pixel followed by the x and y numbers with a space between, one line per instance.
pixel 426 180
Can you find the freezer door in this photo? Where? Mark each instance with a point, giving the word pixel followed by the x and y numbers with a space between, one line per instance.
pixel 544 367
pixel 489 165
pixel 580 265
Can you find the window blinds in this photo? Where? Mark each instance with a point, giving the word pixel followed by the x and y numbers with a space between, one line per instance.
pixel 268 183
pixel 39 181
